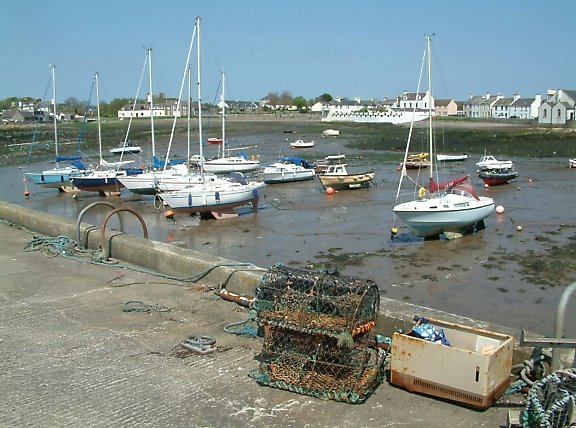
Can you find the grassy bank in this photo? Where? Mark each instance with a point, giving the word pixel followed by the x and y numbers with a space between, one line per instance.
pixel 452 136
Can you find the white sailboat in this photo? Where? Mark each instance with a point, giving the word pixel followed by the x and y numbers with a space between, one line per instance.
pixel 226 163
pixel 212 196
pixel 104 179
pixel 147 182
pixel 450 208
pixel 59 176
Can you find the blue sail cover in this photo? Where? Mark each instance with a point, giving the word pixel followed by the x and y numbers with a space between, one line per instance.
pixel 159 163
pixel 296 161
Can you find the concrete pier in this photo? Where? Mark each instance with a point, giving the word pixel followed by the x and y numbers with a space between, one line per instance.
pixel 71 356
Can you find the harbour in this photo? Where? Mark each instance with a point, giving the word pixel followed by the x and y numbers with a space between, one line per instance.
pixel 298 224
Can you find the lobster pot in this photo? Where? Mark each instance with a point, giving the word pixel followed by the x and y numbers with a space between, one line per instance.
pixel 319 366
pixel 317 302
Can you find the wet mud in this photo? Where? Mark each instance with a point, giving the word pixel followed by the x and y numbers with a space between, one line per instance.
pixel 500 274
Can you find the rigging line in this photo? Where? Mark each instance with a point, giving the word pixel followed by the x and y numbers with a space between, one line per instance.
pixel 167 159
pixel 38 120
pixel 134 104
pixel 403 172
pixel 80 137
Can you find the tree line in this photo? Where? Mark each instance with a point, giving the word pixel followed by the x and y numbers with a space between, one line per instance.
pixel 73 105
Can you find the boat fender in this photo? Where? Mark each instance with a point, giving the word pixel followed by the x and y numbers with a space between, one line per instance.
pixel 422 192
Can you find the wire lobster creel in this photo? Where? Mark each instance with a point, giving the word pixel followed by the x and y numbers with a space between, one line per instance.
pixel 551 401
pixel 317 365
pixel 317 302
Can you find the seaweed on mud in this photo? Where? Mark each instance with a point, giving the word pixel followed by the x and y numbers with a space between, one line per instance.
pixel 556 266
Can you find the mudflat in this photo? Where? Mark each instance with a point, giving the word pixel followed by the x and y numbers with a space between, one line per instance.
pixel 502 274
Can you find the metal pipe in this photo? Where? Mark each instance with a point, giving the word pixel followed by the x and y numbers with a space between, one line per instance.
pixel 559 326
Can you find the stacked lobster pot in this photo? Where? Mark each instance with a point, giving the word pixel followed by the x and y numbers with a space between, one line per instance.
pixel 318 337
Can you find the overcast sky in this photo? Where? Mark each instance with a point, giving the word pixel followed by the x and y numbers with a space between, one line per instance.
pixel 367 49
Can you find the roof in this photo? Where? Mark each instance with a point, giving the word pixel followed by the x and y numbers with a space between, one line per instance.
pixel 523 102
pixel 441 103
pixel 504 102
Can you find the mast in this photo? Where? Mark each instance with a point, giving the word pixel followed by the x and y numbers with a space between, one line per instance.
pixel 431 139
pixel 199 99
pixel 151 102
pixel 188 109
pixel 54 112
pixel 98 116
pixel 223 99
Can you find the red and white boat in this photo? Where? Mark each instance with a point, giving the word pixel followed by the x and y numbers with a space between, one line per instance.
pixel 215 140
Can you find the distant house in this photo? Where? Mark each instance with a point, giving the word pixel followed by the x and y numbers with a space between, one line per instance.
pixel 445 107
pixel 480 106
pixel 236 106
pixel 558 108
pixel 501 108
pixel 411 100
pixel 525 108
pixel 16 115
pixel 318 107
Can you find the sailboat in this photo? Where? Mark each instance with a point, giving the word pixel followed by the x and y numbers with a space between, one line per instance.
pixel 226 163
pixel 214 197
pixel 59 176
pixel 147 182
pixel 104 179
pixel 450 208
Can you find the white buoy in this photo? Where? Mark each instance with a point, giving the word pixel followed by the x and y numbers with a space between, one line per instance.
pixel 499 209
pixel 519 228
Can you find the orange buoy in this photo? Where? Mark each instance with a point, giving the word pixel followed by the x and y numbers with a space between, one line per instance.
pixel 329 191
pixel 26 193
pixel 169 214
pixel 500 209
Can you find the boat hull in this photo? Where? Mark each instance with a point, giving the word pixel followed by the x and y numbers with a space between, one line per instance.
pixel 287 176
pixel 223 166
pixel 427 217
pixel 102 181
pixel 492 178
pixel 126 151
pixel 97 184
pixel 54 179
pixel 210 199
pixel 451 158
pixel 347 182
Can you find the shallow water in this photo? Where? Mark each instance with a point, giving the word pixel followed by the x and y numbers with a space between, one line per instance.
pixel 299 225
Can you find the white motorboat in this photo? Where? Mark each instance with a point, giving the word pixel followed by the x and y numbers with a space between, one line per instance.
pixel 572 163
pixel 331 133
pixel 321 165
pixel 490 162
pixel 126 147
pixel 288 169
pixel 301 144
pixel 443 208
